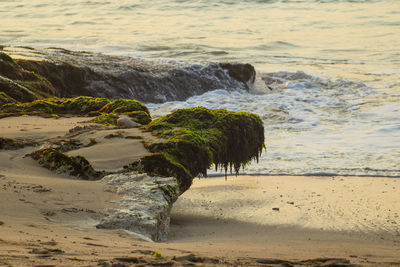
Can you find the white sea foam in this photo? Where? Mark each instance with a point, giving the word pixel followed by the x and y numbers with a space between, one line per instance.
pixel 313 125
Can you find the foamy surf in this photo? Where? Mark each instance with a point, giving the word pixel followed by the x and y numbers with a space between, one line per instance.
pixel 313 125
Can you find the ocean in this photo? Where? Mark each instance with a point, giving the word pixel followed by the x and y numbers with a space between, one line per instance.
pixel 328 71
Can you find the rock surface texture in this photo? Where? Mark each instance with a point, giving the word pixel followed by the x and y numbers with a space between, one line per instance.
pixel 64 73
pixel 197 138
pixel 125 122
pixel 145 204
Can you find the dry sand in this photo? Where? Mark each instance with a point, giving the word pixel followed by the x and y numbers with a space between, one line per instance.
pixel 48 219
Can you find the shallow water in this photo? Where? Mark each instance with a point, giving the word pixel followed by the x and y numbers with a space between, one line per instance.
pixel 328 86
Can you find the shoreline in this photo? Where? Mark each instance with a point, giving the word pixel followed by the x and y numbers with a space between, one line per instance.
pixel 49 219
pixel 217 175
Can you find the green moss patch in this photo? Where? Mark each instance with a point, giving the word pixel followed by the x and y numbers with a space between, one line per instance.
pixel 160 164
pixel 107 112
pixel 109 119
pixel 5 99
pixel 47 106
pixel 133 108
pixel 83 105
pixel 124 105
pixel 199 137
pixel 55 160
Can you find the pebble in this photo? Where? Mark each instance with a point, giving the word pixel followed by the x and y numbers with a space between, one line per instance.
pixel 126 122
pixel 276 209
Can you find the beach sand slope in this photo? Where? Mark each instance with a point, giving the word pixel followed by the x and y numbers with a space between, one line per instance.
pixel 48 219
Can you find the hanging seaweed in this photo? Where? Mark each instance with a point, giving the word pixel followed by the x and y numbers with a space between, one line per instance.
pixel 199 137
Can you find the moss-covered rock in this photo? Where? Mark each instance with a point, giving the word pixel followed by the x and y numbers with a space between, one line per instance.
pixel 48 106
pixel 140 117
pixel 28 80
pixel 199 137
pixel 107 112
pixel 123 106
pixel 5 99
pixel 41 106
pixel 133 108
pixel 83 105
pixel 67 79
pixel 16 90
pixel 162 164
pixel 21 84
pixel 15 143
pixel 55 160
pixel 109 119
pixel 11 70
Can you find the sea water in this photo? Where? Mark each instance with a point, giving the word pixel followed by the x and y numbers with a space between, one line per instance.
pixel 328 71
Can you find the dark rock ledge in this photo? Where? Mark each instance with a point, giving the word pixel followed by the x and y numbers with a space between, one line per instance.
pixel 36 73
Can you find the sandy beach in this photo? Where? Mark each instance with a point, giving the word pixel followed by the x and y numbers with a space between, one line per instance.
pixel 292 215
pixel 48 219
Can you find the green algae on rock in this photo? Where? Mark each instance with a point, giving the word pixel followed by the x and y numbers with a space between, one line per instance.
pixel 5 99
pixel 15 143
pixel 107 112
pixel 75 106
pixel 108 119
pixel 67 79
pixel 133 108
pixel 83 104
pixel 199 137
pixel 124 105
pixel 42 107
pixel 161 164
pixel 28 80
pixel 55 160
pixel 21 84
pixel 140 116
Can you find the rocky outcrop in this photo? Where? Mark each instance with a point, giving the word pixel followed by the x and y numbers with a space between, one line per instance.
pixel 145 204
pixel 183 145
pixel 244 73
pixel 5 99
pixel 66 73
pixel 107 112
pixel 199 137
pixel 189 140
pixel 60 162
pixel 21 84
pixel 15 143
